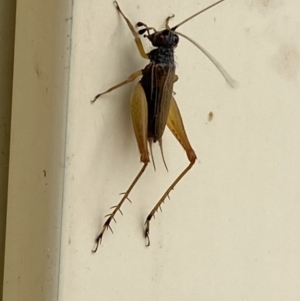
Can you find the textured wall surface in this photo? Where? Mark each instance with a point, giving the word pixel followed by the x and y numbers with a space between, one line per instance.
pixel 230 230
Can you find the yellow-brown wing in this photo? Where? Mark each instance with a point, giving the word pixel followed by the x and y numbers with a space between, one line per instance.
pixel 139 116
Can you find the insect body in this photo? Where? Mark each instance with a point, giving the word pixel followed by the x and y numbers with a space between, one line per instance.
pixel 157 81
pixel 153 105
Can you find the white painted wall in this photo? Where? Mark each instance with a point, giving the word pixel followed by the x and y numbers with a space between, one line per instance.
pixel 230 230
pixel 37 153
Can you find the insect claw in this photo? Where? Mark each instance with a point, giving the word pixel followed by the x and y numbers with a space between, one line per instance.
pixel 96 97
pixel 148 241
pixel 96 247
pixel 98 241
pixel 147 231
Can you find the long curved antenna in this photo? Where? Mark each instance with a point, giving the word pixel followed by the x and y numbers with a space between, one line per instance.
pixel 232 83
pixel 196 14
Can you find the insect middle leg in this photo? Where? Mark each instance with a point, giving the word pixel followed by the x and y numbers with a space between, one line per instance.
pixel 130 79
pixel 139 115
pixel 176 126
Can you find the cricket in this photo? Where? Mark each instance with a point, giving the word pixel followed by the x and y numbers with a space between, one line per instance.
pixel 153 106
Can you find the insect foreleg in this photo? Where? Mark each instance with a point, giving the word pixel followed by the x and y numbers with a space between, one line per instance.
pixel 130 79
pixel 135 34
pixel 176 126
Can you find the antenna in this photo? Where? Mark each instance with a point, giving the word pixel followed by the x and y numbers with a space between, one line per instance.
pixel 196 14
pixel 232 83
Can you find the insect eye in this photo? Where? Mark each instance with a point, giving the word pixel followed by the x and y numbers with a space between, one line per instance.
pixel 165 32
pixel 176 39
pixel 160 38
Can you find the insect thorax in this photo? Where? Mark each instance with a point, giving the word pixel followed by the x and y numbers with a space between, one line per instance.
pixel 162 55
